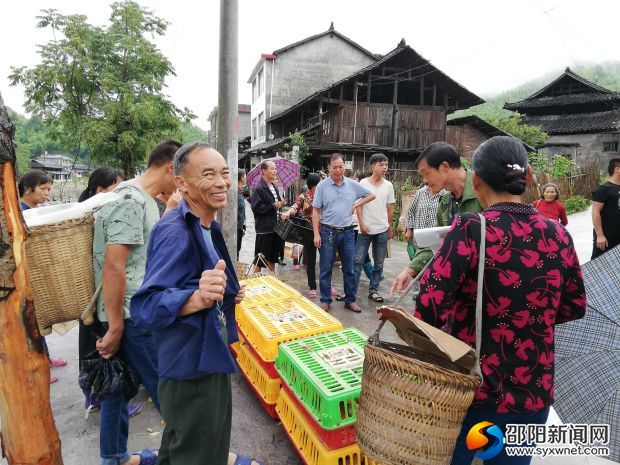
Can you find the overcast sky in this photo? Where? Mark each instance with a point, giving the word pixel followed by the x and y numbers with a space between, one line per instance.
pixel 486 45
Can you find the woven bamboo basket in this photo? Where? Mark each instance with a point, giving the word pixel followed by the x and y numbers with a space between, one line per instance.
pixel 412 404
pixel 59 258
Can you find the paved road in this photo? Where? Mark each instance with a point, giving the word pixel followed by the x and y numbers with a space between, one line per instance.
pixel 253 431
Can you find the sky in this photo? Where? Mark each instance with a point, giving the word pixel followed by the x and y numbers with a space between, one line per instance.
pixel 487 46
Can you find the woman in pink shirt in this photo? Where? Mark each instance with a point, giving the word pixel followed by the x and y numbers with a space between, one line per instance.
pixel 549 204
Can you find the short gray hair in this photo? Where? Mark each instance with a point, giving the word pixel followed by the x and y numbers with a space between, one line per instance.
pixel 180 157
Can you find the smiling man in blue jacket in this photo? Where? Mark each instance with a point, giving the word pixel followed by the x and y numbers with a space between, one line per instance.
pixel 188 300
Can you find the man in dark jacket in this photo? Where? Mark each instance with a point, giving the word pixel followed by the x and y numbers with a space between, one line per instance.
pixel 266 201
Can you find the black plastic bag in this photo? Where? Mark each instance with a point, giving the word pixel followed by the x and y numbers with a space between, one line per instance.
pixel 103 377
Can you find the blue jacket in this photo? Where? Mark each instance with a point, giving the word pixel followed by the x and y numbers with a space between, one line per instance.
pixel 188 347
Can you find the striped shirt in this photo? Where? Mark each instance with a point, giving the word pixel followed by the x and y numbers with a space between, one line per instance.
pixel 423 211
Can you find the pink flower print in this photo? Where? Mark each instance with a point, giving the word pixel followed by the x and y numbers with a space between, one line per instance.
pixel 520 375
pixel 550 246
pixel 562 234
pixel 530 258
pixel 495 234
pixel 461 312
pixel 569 258
pixel 539 222
pixel 498 254
pixel 537 299
pixel 502 334
pixel 554 278
pixel 466 248
pixel 546 359
pixel 546 381
pixel 488 362
pixel 425 276
pixel 501 308
pixel 509 278
pixel 469 286
pixel 534 405
pixel 434 296
pixel 549 317
pixel 442 267
pixel 491 215
pixel 523 347
pixel 521 318
pixel 521 229
pixel 467 335
pixel 505 402
pixel 549 335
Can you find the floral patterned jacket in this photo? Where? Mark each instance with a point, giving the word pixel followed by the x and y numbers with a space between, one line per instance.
pixel 532 281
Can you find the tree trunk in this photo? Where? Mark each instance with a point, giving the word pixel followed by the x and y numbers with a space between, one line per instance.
pixel 28 434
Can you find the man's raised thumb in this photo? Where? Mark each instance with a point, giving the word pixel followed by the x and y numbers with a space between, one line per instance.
pixel 221 265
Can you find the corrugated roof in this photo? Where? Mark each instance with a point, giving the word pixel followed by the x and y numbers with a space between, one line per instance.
pixel 576 123
pixel 467 98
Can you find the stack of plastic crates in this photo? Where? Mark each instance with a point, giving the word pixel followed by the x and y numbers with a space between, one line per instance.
pixel 276 314
pixel 321 381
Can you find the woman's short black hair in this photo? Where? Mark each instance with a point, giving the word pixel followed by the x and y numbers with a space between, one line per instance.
pixel 32 179
pixel 502 163
pixel 438 152
pixel 313 180
pixel 102 177
pixel 240 174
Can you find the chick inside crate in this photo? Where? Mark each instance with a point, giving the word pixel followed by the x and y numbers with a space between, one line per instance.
pixel 266 326
pixel 325 374
pixel 266 290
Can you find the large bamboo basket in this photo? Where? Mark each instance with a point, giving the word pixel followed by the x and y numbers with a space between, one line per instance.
pixel 59 258
pixel 412 403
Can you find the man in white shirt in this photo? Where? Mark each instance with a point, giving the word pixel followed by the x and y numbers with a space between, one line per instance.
pixel 375 224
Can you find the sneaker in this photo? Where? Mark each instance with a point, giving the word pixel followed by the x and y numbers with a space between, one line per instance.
pixel 134 409
pixel 57 362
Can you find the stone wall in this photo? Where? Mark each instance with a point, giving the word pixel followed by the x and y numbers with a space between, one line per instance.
pixel 584 148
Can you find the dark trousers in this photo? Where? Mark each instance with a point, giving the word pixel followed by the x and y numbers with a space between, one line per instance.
pixel 310 261
pixel 596 252
pixel 198 415
pixel 240 234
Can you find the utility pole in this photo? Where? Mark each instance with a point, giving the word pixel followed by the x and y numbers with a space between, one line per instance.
pixel 227 114
pixel 28 434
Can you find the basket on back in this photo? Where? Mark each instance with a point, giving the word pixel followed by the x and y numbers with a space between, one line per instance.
pixel 59 257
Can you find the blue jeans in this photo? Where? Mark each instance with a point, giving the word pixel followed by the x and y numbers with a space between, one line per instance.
pixel 379 252
pixel 138 349
pixel 463 456
pixel 344 243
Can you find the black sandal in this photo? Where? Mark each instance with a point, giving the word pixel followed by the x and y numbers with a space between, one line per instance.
pixel 339 298
pixel 374 296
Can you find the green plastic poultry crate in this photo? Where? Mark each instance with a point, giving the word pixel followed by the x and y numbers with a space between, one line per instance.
pixel 325 374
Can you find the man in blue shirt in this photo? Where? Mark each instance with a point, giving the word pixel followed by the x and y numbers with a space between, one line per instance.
pixel 335 199
pixel 188 300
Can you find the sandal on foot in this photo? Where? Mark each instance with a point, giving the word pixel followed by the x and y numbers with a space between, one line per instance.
pixel 134 409
pixel 374 296
pixel 147 456
pixel 53 379
pixel 57 362
pixel 312 294
pixel 244 460
pixel 339 298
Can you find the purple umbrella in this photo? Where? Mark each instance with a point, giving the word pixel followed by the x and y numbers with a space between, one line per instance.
pixel 289 171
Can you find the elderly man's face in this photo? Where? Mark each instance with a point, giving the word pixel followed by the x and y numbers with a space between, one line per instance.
pixel 336 169
pixel 205 179
pixel 271 173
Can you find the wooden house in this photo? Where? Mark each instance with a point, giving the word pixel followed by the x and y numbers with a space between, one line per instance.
pixel 581 118
pixel 397 106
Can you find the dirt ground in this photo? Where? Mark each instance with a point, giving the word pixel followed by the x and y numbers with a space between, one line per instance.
pixel 253 432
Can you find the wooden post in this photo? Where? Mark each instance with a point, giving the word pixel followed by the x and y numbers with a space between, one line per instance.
pixel 434 95
pixel 395 114
pixel 338 138
pixel 320 132
pixel 28 435
pixel 422 91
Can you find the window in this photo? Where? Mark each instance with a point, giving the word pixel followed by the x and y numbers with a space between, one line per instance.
pixel 610 146
pixel 260 85
pixel 325 125
pixel 261 125
pixel 254 133
pixel 254 91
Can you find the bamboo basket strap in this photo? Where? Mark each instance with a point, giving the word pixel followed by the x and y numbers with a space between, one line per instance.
pixel 482 255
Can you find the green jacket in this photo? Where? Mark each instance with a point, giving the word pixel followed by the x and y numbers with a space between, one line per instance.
pixel 467 203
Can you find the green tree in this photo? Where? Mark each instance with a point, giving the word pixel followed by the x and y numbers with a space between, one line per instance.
pixel 513 124
pixel 103 86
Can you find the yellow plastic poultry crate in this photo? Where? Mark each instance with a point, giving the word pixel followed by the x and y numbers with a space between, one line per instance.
pixel 266 387
pixel 266 326
pixel 307 443
pixel 265 290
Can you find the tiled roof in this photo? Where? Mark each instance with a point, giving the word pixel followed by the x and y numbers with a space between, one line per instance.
pixel 576 123
pixel 560 100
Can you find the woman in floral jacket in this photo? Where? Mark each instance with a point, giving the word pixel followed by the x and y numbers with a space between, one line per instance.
pixel 532 281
